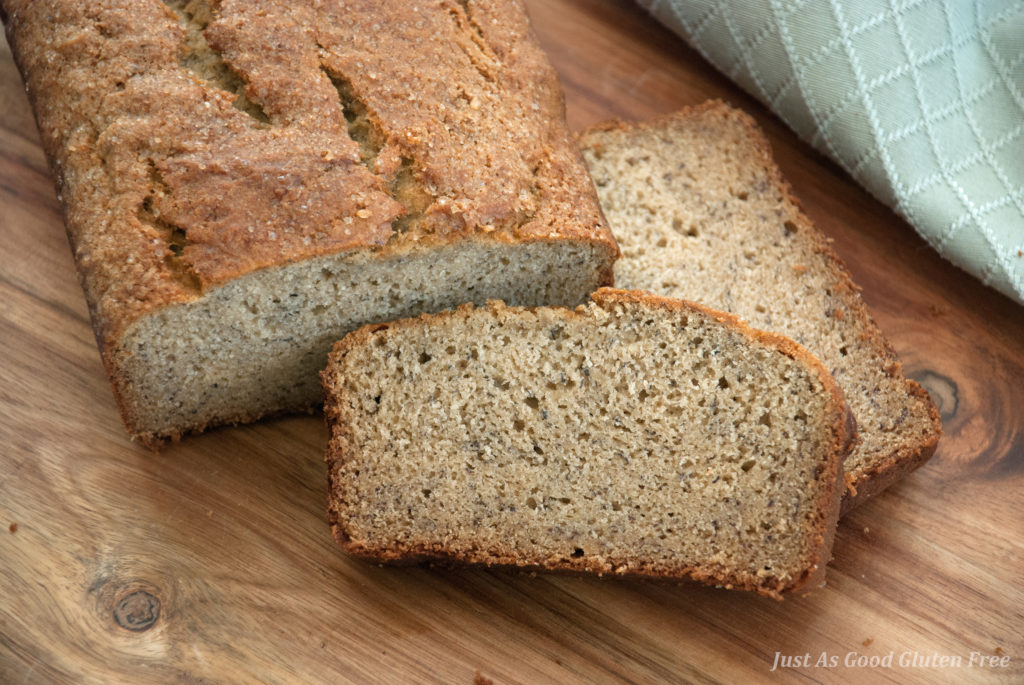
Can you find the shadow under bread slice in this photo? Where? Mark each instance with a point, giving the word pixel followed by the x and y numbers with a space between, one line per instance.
pixel 637 435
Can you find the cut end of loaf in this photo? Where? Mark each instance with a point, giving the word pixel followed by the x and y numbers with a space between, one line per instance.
pixel 255 346
pixel 206 182
pixel 636 436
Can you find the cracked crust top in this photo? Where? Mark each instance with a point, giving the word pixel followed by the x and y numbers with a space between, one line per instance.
pixel 194 142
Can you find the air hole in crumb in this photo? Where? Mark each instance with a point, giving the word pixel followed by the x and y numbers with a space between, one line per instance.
pixel 424 357
pixel 450 349
pixel 662 242
pixel 643 395
pixel 760 309
pixel 564 500
pixel 518 425
pixel 577 552
pixel 801 415
pixel 584 437
pixel 742 195
pixel 537 449
pixel 748 464
pixel 426 492
pixel 177 241
pixel 843 351
pixel 789 227
pixel 532 402
pixel 377 399
pixel 723 383
pixel 616 506
pixel 696 342
pixel 531 502
pixel 765 420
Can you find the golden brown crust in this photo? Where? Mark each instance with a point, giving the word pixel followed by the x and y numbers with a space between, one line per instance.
pixel 188 153
pixel 887 468
pixel 830 478
pixel 125 121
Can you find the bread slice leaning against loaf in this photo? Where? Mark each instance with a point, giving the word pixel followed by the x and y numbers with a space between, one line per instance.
pixel 701 212
pixel 637 435
pixel 234 210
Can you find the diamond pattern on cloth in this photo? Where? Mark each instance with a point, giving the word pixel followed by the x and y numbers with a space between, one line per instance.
pixel 921 101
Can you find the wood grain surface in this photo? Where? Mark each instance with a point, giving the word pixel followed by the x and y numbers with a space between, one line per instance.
pixel 212 561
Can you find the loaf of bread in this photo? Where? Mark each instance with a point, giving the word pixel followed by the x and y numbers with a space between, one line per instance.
pixel 638 435
pixel 701 212
pixel 244 182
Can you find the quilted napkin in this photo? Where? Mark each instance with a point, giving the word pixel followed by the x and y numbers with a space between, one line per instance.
pixel 921 101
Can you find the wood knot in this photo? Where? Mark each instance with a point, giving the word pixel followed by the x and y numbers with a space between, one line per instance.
pixel 137 611
pixel 943 391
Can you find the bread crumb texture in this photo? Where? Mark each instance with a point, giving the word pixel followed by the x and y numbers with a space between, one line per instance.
pixel 200 143
pixel 637 435
pixel 701 212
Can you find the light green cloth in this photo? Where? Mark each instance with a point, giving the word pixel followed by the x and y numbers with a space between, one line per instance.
pixel 922 102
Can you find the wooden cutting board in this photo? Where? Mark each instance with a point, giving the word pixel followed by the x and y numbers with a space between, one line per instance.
pixel 212 561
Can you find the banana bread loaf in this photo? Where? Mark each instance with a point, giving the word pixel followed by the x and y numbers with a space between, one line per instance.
pixel 701 212
pixel 637 435
pixel 246 181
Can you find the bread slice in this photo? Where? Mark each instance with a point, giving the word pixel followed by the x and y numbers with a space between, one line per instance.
pixel 701 212
pixel 234 209
pixel 638 435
